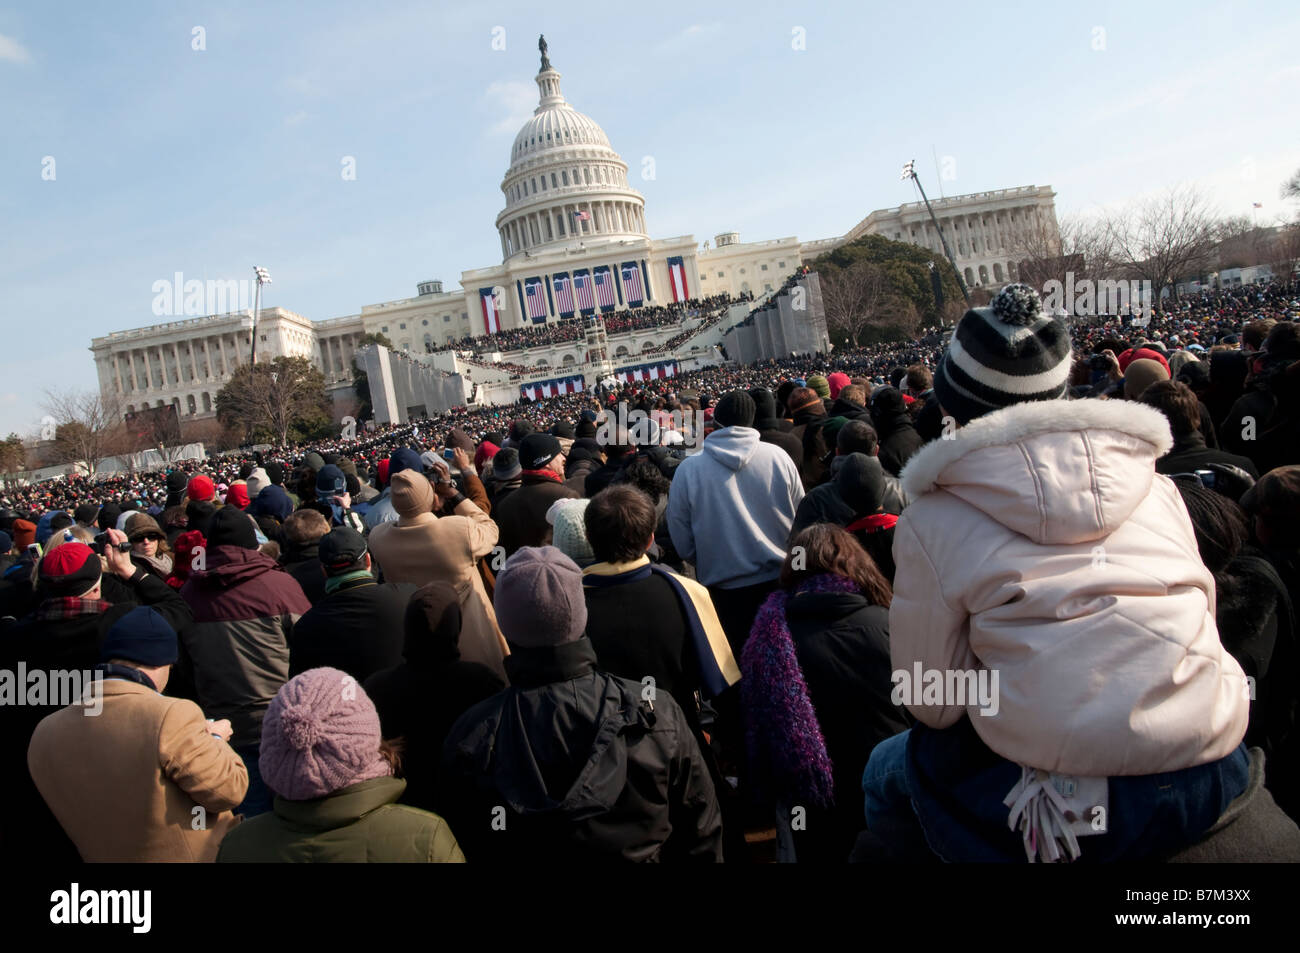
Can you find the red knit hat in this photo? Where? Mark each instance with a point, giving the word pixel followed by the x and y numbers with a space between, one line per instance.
pixel 24 533
pixel 201 489
pixel 237 496
pixel 1141 354
pixel 382 469
pixel 69 570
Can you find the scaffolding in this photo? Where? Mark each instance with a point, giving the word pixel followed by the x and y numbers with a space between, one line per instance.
pixel 598 364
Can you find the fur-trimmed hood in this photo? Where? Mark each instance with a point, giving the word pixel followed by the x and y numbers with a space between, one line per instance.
pixel 1054 471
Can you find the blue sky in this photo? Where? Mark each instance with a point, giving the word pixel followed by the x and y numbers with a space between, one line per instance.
pixel 209 161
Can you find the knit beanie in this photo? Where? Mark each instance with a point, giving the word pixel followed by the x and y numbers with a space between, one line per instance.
pixel 177 481
pixel 201 489
pixel 258 480
pixel 805 399
pixel 860 483
pixel 505 465
pixel 585 428
pixel 1126 358
pixel 569 530
pixel 403 458
pixel 539 600
pixel 485 452
pixel 24 533
pixel 537 450
pixel 1140 375
pixel 237 495
pixel 459 438
pixel 143 636
pixel 563 429
pixel 70 569
pixel 1008 353
pixel 735 410
pixel 108 514
pixel 85 513
pixel 275 473
pixel 320 734
pixel 412 494
pixel 314 461
pixel 232 527
pixel 837 381
pixel 820 385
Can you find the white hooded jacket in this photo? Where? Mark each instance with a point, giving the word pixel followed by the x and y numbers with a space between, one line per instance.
pixel 1042 544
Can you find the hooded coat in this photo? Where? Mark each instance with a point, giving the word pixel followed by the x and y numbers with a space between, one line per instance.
pixel 421 548
pixel 586 770
pixel 237 649
pixel 1041 544
pixel 420 699
pixel 731 507
pixel 898 437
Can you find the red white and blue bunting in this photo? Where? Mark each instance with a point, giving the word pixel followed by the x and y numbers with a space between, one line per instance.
pixel 552 388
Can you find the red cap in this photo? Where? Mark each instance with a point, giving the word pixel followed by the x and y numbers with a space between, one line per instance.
pixel 382 468
pixel 237 495
pixel 201 489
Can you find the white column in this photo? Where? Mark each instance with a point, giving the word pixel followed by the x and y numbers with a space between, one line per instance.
pixel 117 372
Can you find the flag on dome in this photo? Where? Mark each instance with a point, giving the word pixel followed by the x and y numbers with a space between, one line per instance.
pixel 536 298
pixel 581 216
pixel 631 274
pixel 604 281
pixel 491 317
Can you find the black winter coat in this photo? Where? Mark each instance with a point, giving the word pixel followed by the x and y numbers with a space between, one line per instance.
pixel 898 441
pixel 584 769
pixel 842 644
pixel 357 630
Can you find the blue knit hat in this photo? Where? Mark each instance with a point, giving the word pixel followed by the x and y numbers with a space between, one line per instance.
pixel 142 636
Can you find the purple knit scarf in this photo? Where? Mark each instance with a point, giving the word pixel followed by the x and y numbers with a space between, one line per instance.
pixel 787 753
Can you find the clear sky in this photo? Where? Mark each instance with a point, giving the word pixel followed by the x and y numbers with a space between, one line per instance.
pixel 206 162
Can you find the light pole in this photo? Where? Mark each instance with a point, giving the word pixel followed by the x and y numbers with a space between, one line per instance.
pixel 909 172
pixel 263 278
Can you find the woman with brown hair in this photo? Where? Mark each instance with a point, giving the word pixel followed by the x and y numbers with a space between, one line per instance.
pixel 149 548
pixel 815 688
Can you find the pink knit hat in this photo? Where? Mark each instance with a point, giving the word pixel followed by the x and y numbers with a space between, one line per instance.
pixel 837 381
pixel 320 734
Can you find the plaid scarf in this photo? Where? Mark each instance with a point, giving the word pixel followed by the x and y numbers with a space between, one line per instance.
pixel 61 608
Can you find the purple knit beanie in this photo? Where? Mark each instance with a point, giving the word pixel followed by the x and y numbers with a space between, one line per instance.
pixel 320 734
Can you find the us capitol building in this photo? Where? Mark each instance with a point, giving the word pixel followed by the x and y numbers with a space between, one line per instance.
pixel 574 237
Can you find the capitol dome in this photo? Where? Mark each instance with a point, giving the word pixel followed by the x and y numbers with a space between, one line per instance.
pixel 565 183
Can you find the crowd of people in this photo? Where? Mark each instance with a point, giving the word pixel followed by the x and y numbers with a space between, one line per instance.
pixel 938 600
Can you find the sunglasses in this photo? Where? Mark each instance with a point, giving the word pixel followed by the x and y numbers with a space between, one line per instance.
pixel 156 537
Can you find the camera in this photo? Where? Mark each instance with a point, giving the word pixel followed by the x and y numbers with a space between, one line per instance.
pixel 1099 362
pixel 448 454
pixel 102 544
pixel 1207 478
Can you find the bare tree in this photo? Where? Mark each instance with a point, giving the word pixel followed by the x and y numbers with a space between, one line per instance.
pixel 1291 187
pixel 857 297
pixel 88 428
pixel 1165 239
pixel 1078 247
pixel 1285 251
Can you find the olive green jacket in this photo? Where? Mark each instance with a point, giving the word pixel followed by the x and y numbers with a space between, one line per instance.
pixel 357 824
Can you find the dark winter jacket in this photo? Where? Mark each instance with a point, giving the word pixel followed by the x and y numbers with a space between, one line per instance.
pixel 808 424
pixel 1190 453
pixel 419 699
pixel 585 769
pixel 522 515
pixel 357 629
pixel 303 563
pixel 1273 405
pixel 842 643
pixel 237 650
pixel 898 438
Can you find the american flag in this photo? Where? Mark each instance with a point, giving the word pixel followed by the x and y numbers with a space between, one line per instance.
pixel 581 216
pixel 604 287
pixel 632 283
pixel 563 294
pixel 582 291
pixel 535 296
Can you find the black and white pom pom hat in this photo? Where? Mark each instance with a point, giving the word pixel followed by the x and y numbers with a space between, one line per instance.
pixel 1008 353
